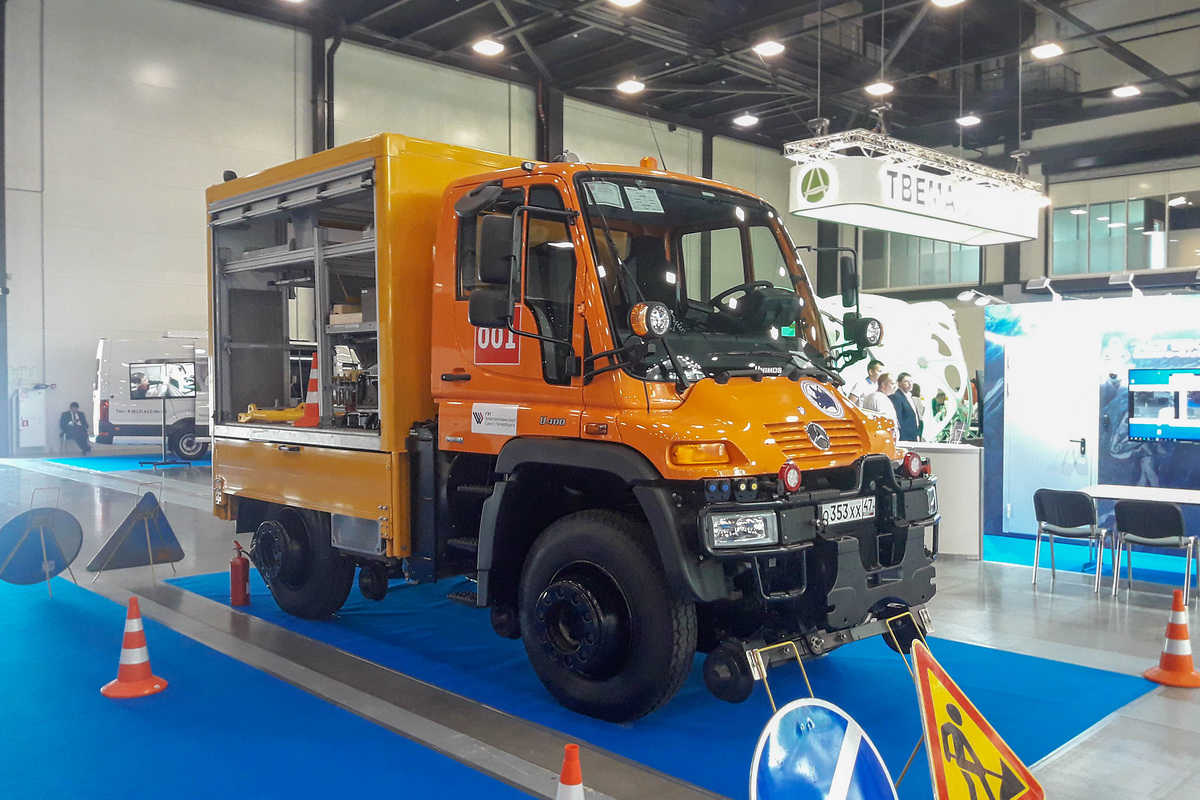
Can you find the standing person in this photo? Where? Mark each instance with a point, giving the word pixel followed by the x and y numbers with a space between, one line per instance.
pixel 868 384
pixel 74 426
pixel 918 401
pixel 906 412
pixel 878 401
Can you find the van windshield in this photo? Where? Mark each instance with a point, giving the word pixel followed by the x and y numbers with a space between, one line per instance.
pixel 720 261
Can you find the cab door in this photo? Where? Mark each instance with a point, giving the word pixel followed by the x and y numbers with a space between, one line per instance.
pixel 504 384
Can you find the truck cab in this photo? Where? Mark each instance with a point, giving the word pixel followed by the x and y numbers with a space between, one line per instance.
pixel 605 395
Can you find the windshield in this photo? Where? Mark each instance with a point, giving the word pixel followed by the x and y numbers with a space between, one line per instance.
pixel 720 261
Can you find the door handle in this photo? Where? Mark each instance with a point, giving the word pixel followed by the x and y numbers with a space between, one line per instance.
pixel 1082 446
pixel 289 448
pixel 456 376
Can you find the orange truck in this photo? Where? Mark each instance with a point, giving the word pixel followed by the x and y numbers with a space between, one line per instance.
pixel 602 393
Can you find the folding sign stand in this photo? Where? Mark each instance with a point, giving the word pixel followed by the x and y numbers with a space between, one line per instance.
pixel 59 539
pixel 758 666
pixel 165 460
pixel 121 551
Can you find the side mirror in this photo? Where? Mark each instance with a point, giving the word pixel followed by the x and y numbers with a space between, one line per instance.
pixel 862 331
pixel 489 307
pixel 478 199
pixel 496 249
pixel 849 280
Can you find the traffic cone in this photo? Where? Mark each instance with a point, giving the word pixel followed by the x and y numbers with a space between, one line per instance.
pixel 1175 666
pixel 134 678
pixel 570 782
pixel 312 403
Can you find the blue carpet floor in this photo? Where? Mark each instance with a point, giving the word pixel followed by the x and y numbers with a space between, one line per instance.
pixel 1037 705
pixel 1073 556
pixel 219 729
pixel 123 463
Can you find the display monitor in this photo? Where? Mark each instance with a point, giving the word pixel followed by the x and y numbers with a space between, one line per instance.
pixel 1164 404
pixel 151 381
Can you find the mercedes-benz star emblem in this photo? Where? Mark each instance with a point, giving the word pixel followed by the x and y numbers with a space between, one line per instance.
pixel 818 436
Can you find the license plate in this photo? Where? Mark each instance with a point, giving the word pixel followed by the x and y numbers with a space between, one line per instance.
pixel 848 511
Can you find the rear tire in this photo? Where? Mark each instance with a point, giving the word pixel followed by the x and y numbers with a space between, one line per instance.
pixel 603 630
pixel 306 576
pixel 183 443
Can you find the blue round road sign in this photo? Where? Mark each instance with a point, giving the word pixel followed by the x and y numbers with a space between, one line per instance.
pixel 813 750
pixel 38 544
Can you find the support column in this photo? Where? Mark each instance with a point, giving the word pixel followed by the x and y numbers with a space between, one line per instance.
pixel 549 122
pixel 6 415
pixel 318 33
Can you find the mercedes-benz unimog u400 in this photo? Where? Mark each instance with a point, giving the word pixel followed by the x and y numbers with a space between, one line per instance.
pixel 603 393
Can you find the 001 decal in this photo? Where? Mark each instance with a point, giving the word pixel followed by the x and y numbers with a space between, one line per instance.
pixel 498 346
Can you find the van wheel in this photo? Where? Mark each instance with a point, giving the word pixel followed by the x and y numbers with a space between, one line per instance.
pixel 306 576
pixel 603 630
pixel 183 444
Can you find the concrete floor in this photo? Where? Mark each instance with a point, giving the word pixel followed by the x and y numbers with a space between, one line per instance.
pixel 1145 750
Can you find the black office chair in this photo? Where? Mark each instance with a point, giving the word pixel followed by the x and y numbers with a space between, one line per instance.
pixel 1071 515
pixel 1153 524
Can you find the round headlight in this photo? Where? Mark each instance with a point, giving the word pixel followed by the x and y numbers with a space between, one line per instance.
pixel 789 476
pixel 873 332
pixel 650 319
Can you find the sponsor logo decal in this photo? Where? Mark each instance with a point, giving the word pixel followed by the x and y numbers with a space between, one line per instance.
pixel 823 399
pixel 814 185
pixel 491 418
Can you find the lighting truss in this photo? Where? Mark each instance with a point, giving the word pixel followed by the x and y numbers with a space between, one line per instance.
pixel 863 143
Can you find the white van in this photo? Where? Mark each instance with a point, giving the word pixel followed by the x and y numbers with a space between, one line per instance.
pixel 116 416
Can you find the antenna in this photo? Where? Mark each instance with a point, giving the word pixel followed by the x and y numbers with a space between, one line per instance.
pixel 662 161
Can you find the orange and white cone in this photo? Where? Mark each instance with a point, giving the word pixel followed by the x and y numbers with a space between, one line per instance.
pixel 570 782
pixel 1175 666
pixel 312 403
pixel 134 678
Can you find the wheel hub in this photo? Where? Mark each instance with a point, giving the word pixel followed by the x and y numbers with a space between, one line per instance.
pixel 579 628
pixel 278 555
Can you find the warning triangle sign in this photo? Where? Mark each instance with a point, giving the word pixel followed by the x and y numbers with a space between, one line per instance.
pixel 144 537
pixel 967 758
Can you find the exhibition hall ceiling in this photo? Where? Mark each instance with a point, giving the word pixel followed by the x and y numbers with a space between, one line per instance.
pixel 948 62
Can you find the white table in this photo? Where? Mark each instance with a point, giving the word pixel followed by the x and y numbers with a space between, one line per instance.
pixel 1109 491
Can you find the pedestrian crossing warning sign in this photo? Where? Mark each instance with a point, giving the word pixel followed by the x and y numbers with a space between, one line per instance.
pixel 967 758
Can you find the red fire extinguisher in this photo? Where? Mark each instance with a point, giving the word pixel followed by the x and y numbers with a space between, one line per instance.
pixel 239 577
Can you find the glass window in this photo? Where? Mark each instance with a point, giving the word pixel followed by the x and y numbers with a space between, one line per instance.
pixel 767 257
pixel 1106 237
pixel 903 255
pixel 1183 229
pixel 550 283
pixel 964 264
pixel 1070 243
pixel 874 259
pixel 728 265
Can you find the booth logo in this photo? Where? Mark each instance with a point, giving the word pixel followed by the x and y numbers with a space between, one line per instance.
pixel 814 185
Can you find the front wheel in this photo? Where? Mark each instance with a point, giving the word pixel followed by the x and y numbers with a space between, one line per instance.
pixel 603 630
pixel 294 555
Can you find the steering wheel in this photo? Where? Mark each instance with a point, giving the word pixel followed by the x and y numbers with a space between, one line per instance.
pixel 741 287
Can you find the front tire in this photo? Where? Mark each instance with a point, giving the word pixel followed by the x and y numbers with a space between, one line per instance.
pixel 293 553
pixel 603 630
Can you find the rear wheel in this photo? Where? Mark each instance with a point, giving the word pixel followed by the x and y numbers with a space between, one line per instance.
pixel 602 628
pixel 306 576
pixel 184 444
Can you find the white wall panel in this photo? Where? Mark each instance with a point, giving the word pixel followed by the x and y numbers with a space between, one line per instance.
pixel 22 96
pixel 607 136
pixel 766 173
pixel 379 91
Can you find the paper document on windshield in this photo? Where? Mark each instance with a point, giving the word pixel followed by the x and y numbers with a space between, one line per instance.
pixel 644 200
pixel 605 194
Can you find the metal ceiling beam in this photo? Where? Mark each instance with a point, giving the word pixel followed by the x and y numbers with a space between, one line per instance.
pixel 1114 49
pixel 377 13
pixel 409 35
pixel 905 35
pixel 538 63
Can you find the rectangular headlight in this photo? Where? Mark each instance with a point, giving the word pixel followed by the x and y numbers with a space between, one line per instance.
pixel 743 529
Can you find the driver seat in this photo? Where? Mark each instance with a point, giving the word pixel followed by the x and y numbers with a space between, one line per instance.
pixel 648 263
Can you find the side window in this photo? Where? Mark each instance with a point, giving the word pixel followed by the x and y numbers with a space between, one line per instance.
pixel 767 257
pixel 723 267
pixel 550 283
pixel 467 262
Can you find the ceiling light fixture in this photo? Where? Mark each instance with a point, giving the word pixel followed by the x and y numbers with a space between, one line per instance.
pixel 745 120
pixel 1126 91
pixel 879 88
pixel 968 120
pixel 624 3
pixel 631 86
pixel 488 47
pixel 946 3
pixel 768 48
pixel 1078 211
pixel 1047 50
pixel 1174 202
pixel 976 296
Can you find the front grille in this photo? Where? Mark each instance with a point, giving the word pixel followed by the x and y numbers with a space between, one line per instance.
pixel 845 442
